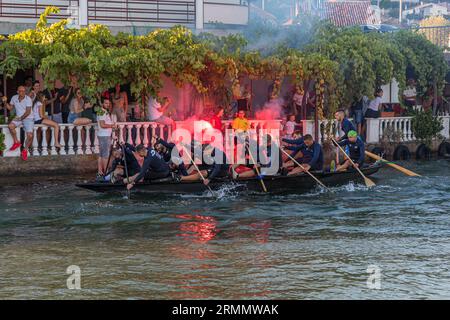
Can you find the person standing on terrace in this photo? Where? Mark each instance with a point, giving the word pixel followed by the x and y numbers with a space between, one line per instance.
pixel 120 104
pixel 375 105
pixel 156 111
pixel 240 123
pixel 346 125
pixel 104 134
pixel 22 105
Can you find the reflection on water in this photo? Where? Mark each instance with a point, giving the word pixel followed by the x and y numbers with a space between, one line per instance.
pixel 239 246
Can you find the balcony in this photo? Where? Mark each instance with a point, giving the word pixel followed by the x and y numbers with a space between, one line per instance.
pixel 148 13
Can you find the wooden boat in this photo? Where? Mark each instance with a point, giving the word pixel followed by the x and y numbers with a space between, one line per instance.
pixel 275 184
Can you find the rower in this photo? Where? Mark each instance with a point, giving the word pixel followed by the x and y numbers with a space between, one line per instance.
pixel 312 156
pixel 154 166
pixel 168 150
pixel 356 151
pixel 346 125
pixel 117 170
pixel 293 145
pixel 264 162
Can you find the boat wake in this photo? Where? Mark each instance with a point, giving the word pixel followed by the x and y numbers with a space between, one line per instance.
pixel 226 191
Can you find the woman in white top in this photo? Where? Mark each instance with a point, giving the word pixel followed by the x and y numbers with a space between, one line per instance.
pixel 375 105
pixel 41 118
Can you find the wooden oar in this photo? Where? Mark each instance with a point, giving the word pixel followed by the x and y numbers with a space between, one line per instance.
pixel 393 165
pixel 307 171
pixel 263 185
pixel 198 170
pixel 369 183
pixel 126 170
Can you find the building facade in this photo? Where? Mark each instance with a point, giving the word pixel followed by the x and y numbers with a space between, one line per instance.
pixel 133 16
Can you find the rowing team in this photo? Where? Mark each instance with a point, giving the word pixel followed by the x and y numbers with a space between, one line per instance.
pixel 158 163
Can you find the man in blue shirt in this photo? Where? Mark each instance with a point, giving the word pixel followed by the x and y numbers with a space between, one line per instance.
pixel 346 125
pixel 356 151
pixel 154 166
pixel 312 156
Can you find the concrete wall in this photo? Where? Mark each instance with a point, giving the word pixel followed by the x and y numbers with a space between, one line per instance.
pixel 48 166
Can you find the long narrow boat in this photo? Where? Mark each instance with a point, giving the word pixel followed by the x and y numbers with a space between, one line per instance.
pixel 295 183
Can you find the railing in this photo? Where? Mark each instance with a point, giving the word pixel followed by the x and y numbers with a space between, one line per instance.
pixel 82 140
pixel 376 128
pixel 34 8
pixel 159 11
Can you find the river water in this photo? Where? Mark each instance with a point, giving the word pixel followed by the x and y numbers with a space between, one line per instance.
pixel 254 246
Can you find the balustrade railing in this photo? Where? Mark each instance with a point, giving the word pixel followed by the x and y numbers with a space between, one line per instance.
pixel 82 140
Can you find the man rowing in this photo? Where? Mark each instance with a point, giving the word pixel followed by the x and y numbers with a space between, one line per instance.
pixel 312 157
pixel 169 152
pixel 356 151
pixel 122 161
pixel 154 166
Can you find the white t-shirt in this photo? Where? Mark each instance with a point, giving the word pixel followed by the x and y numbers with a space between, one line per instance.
pixel 36 108
pixel 375 104
pixel 21 106
pixel 153 106
pixel 104 132
pixel 410 92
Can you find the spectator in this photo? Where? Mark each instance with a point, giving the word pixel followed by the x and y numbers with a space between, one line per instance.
pixel 409 94
pixel 76 107
pixel 66 99
pixel 216 119
pixel 346 125
pixel 289 127
pixel 156 111
pixel 374 108
pixel 28 84
pixel 240 123
pixel 297 100
pixel 104 134
pixel 35 89
pixel 357 112
pixel 22 105
pixel 41 118
pixel 120 104
pixel 57 105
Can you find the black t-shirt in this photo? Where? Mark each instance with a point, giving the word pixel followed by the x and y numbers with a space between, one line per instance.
pixel 57 106
pixel 48 96
pixel 66 106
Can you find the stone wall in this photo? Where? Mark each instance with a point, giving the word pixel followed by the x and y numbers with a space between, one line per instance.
pixel 49 166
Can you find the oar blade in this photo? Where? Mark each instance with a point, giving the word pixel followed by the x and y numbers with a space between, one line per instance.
pixel 369 183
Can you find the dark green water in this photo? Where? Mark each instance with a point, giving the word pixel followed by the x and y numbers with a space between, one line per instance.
pixel 309 246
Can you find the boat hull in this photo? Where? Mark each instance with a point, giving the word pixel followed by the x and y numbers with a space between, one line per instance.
pixel 274 184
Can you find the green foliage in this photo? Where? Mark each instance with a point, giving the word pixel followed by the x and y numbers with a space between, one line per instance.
pixel 425 126
pixel 424 59
pixel 344 64
pixel 366 60
pixel 2 142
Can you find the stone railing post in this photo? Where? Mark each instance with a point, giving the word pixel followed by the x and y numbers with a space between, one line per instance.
pixel 308 127
pixel 446 127
pixel 373 130
pixel 9 142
